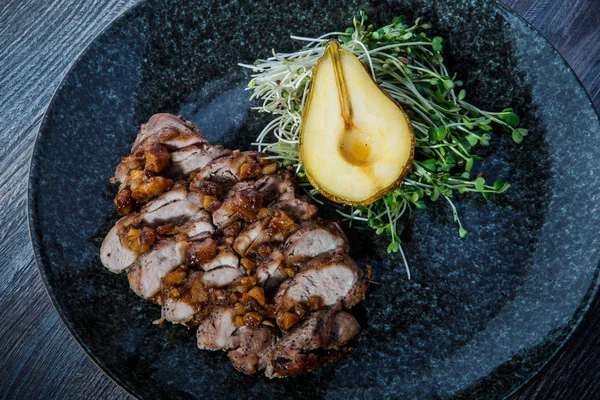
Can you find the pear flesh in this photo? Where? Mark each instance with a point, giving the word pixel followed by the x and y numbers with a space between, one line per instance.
pixel 356 143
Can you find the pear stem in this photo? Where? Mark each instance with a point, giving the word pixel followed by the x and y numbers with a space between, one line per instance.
pixel 340 80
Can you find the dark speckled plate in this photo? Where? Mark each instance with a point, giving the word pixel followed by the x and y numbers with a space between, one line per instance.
pixel 480 315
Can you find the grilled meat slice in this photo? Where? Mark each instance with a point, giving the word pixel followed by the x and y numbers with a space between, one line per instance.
pixel 221 276
pixel 268 274
pixel 226 258
pixel 127 164
pixel 270 229
pixel 173 207
pixel 216 331
pixel 313 239
pixel 296 206
pixel 172 131
pixel 177 311
pixel 248 358
pixel 344 328
pixel 241 193
pixel 329 278
pixel 199 226
pixel 306 347
pixel 115 253
pixel 193 159
pixel 249 235
pixel 231 169
pixel 186 308
pixel 148 271
pixel 359 290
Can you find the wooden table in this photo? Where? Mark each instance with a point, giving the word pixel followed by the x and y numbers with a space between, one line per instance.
pixel 39 40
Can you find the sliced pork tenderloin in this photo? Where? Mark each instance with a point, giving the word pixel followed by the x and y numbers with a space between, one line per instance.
pixel 127 164
pixel 188 306
pixel 177 311
pixel 314 238
pixel 193 159
pixel 221 276
pixel 199 227
pixel 296 206
pixel 233 168
pixel 216 331
pixel 227 213
pixel 268 274
pixel 323 281
pixel 305 347
pixel 173 207
pixel 279 189
pixel 271 229
pixel 344 328
pixel 226 258
pixel 248 358
pixel 115 253
pixel 170 130
pixel 146 275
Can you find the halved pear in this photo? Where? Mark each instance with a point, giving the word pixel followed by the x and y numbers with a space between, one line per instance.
pixel 356 142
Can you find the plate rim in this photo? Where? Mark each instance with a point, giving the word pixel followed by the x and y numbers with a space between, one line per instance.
pixel 583 309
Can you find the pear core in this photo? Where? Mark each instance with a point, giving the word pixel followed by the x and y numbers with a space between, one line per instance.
pixel 356 143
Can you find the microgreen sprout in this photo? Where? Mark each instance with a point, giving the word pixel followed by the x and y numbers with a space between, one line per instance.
pixel 409 66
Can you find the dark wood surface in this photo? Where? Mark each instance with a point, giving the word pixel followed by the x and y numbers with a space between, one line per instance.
pixel 39 40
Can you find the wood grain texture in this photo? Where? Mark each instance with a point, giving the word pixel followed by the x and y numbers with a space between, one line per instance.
pixel 39 41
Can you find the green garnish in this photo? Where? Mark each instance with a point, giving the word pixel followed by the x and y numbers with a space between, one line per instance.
pixel 409 66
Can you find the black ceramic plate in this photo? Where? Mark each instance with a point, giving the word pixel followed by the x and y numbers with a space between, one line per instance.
pixel 480 316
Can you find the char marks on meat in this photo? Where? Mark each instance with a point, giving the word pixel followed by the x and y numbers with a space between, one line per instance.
pixel 223 242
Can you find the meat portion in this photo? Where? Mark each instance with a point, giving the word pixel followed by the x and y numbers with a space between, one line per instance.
pixel 268 273
pixel 222 241
pixel 313 239
pixel 344 328
pixel 309 344
pixel 271 229
pixel 233 168
pixel 227 213
pixel 249 235
pixel 127 164
pixel 193 159
pixel 115 253
pixel 296 207
pixel 177 311
pixel 328 278
pixel 173 207
pixel 216 331
pixel 184 302
pixel 225 258
pixel 199 226
pixel 280 188
pixel 170 130
pixel 221 276
pixel 248 358
pixel 146 275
